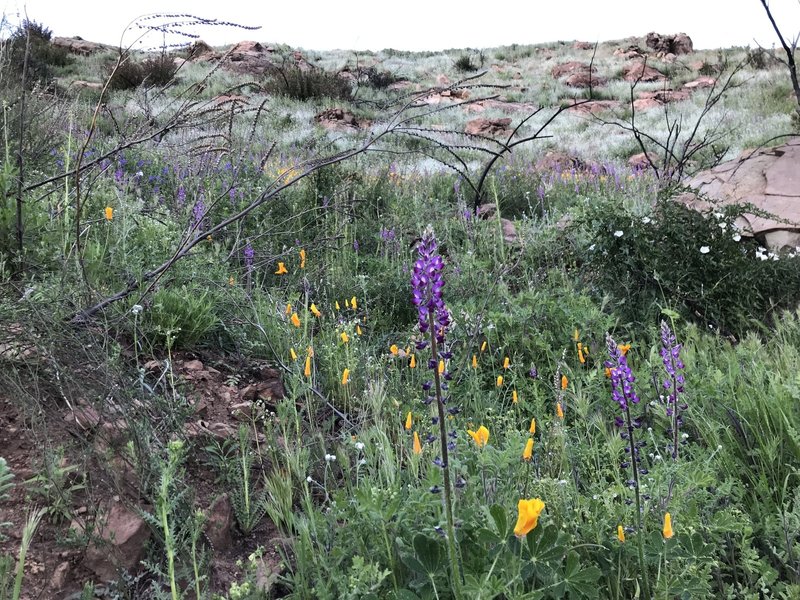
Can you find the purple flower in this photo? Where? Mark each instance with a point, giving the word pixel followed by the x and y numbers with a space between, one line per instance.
pixel 249 253
pixel 198 212
pixel 181 196
pixel 673 365
pixel 427 283
pixel 622 378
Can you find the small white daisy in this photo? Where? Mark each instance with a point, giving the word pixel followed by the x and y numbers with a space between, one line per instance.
pixel 705 249
pixel 737 237
pixel 618 233
pixel 646 220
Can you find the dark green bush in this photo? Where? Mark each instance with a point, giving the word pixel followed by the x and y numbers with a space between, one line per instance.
pixel 42 56
pixel 464 64
pixel 695 262
pixel 126 75
pixel 301 84
pixel 159 71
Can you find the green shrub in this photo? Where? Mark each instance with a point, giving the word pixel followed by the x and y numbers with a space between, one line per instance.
pixel 463 64
pixel 301 84
pixel 159 71
pixel 697 262
pixel 42 56
pixel 126 75
pixel 180 317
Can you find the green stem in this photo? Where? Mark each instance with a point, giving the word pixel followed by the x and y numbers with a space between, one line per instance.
pixel 640 530
pixel 452 549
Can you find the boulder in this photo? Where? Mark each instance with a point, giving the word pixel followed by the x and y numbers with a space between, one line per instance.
pixel 488 127
pixel 79 84
pixel 769 179
pixel 122 534
pixel 584 80
pixel 582 46
pixel 640 162
pixel 339 119
pixel 220 521
pixel 701 82
pixel 594 107
pixel 640 71
pixel 568 68
pixel 78 45
pixel 678 43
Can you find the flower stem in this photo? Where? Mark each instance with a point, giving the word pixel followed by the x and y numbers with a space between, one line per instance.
pixel 452 549
pixel 640 530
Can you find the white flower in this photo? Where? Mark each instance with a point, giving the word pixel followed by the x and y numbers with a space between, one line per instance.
pixel 330 458
pixel 736 237
pixel 136 309
pixel 591 248
pixel 362 462
pixel 359 446
pixel 646 220
pixel 718 215
pixel 723 225
pixel 618 233
pixel 705 249
pixel 684 436
pixel 562 482
pixel 309 479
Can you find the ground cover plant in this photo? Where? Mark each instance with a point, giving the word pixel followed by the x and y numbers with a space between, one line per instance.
pixel 299 328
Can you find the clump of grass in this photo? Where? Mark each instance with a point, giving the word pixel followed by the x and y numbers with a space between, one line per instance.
pixel 307 84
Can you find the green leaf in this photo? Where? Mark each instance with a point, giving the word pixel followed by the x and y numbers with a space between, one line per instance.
pixel 580 582
pixel 545 544
pixel 500 519
pixel 429 553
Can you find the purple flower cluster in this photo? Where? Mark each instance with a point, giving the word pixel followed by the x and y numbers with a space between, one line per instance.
pixel 249 253
pixel 622 378
pixel 427 283
pixel 198 212
pixel 671 356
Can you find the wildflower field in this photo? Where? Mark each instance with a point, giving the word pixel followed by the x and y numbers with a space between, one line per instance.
pixel 394 360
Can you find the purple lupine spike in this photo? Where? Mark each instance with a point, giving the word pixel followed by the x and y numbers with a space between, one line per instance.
pixel 673 365
pixel 427 284
pixel 198 212
pixel 249 254
pixel 622 378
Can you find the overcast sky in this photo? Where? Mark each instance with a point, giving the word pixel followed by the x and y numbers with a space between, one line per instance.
pixel 424 24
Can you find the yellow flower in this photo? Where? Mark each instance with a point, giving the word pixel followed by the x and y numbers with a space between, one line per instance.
pixel 481 436
pixel 292 353
pixel 336 304
pixel 412 364
pixel 621 534
pixel 302 258
pixel 608 372
pixel 310 351
pixel 307 370
pixel 353 304
pixel 345 376
pixel 281 269
pixel 564 382
pixel 358 329
pixel 484 345
pixel 575 335
pixel 288 309
pixel 417 444
pixel 580 353
pixel 109 213
pixel 474 361
pixel 623 348
pixel 314 310
pixel 394 349
pixel 408 421
pixel 527 454
pixel 532 428
pixel 528 519
pixel 499 380
pixel 441 367
pixel 667 531
pixel 346 303
pixel 559 411
pixel 506 363
pixel 295 320
pixel 514 397
pixel 231 281
pixel 345 337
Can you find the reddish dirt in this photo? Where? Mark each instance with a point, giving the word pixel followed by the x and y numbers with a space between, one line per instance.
pixel 55 562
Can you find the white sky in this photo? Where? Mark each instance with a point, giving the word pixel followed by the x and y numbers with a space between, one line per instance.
pixel 425 24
